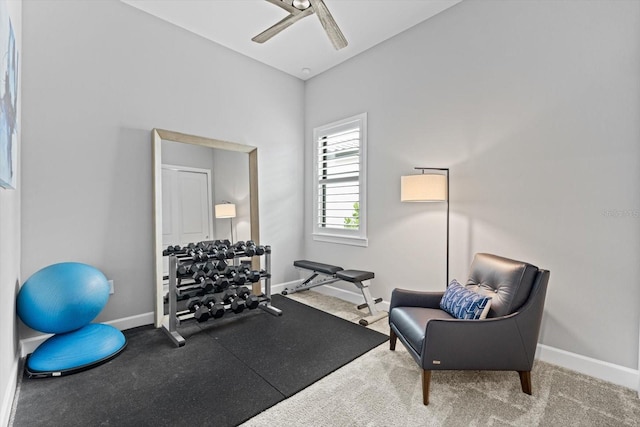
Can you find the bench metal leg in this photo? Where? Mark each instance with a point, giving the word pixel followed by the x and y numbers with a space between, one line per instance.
pixel 374 313
pixel 309 283
pixel 368 299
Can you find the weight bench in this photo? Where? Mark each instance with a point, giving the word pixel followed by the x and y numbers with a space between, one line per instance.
pixel 326 273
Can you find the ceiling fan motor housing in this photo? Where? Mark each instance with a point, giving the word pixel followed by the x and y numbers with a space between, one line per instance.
pixel 301 4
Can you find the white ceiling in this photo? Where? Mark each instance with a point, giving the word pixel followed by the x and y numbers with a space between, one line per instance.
pixel 232 23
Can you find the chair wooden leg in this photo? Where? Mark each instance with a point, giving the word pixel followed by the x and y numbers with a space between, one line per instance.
pixel 426 380
pixel 392 340
pixel 525 381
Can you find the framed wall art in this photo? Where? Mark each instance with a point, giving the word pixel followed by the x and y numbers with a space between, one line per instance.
pixel 8 101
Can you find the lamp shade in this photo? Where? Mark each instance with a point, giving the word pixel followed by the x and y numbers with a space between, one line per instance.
pixel 423 188
pixel 225 210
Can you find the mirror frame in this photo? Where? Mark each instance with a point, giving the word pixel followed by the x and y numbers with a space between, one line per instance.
pixel 157 136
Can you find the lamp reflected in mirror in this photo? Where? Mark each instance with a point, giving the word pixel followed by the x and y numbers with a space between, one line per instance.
pixel 226 210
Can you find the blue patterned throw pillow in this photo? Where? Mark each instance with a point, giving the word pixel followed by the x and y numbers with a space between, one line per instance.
pixel 462 303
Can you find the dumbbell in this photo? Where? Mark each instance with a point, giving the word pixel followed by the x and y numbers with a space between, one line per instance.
pixel 220 282
pixel 237 304
pixel 230 253
pixel 252 276
pixel 209 268
pixel 216 309
pixel 218 254
pixel 222 266
pixel 250 299
pixel 182 270
pixel 248 250
pixel 195 272
pixel 199 310
pixel 257 249
pixel 224 242
pixel 169 250
pixel 205 283
pixel 223 252
pixel 237 277
pixel 198 255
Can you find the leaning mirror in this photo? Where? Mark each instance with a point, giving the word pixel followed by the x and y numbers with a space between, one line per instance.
pixel 197 181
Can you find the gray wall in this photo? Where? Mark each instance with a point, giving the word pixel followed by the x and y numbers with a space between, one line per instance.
pixel 10 256
pixel 98 76
pixel 534 106
pixel 231 175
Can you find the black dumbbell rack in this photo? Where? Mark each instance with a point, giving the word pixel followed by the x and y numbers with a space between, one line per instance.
pixel 174 318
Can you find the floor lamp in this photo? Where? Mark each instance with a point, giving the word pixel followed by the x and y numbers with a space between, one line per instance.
pixel 226 210
pixel 428 187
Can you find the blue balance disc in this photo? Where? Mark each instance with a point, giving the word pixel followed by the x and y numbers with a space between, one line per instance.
pixel 75 351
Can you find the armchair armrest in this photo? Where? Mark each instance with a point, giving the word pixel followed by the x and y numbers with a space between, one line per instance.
pixel 488 344
pixel 408 298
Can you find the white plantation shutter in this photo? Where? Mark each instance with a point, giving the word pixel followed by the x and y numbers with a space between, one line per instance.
pixel 339 180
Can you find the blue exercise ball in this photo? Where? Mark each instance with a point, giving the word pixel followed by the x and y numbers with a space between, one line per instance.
pixel 62 297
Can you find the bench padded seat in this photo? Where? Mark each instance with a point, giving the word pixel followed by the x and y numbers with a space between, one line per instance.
pixel 355 275
pixel 318 266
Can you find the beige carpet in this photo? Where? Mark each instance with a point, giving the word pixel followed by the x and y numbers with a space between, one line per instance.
pixel 383 388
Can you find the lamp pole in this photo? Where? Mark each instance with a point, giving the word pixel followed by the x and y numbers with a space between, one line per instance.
pixel 446 173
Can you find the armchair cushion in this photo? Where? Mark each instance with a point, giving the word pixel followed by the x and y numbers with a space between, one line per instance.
pixel 412 321
pixel 463 303
pixel 506 281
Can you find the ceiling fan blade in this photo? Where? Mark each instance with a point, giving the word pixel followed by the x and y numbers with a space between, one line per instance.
pixel 329 24
pixel 281 25
pixel 286 6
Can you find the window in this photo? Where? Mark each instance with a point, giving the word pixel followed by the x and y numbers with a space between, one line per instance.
pixel 339 211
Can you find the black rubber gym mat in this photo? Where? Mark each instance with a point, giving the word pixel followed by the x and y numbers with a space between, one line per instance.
pixel 229 370
pixel 294 351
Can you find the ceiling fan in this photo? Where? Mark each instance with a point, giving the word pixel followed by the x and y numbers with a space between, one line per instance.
pixel 299 9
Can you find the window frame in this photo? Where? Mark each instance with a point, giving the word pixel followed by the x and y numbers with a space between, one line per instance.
pixel 342 236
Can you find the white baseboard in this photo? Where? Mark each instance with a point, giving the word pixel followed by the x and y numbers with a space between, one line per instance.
pixel 28 345
pixel 276 289
pixel 133 321
pixel 606 371
pixel 9 393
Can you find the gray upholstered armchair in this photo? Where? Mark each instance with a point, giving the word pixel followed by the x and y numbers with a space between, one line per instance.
pixel 506 340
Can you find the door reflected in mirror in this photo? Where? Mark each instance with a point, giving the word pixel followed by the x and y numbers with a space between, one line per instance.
pixel 194 180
